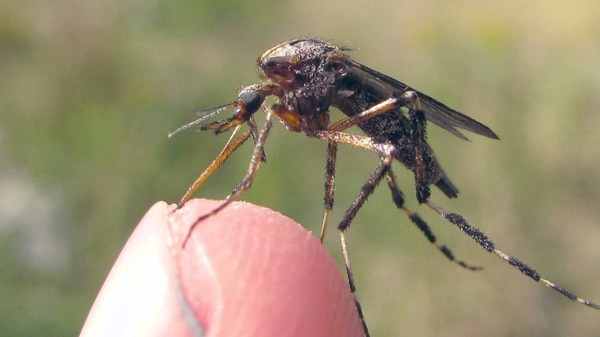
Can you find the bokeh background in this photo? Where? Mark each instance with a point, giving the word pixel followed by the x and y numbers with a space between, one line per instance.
pixel 90 89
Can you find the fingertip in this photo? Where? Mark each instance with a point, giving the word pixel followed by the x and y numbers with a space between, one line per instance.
pixel 247 271
pixel 251 271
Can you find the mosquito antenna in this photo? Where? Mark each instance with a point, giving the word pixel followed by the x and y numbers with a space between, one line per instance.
pixel 204 115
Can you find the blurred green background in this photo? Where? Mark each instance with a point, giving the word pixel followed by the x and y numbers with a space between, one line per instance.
pixel 90 89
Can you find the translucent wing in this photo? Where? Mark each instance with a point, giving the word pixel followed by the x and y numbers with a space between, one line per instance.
pixel 436 112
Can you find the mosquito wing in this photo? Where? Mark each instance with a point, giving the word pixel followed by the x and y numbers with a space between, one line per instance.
pixel 435 111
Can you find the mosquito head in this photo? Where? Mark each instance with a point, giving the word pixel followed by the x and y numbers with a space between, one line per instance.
pixel 296 63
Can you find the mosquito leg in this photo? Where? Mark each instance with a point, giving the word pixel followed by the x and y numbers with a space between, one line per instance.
pixel 244 185
pixel 230 147
pixel 254 129
pixel 352 284
pixel 329 186
pixel 418 134
pixel 359 141
pixel 375 110
pixel 366 190
pixel 487 244
pixel 386 153
pixel 398 198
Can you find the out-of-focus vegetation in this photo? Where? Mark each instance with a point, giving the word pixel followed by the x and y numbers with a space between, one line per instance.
pixel 90 89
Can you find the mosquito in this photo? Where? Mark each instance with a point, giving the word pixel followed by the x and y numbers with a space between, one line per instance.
pixel 309 76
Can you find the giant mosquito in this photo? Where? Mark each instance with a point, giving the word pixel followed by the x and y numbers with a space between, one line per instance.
pixel 307 77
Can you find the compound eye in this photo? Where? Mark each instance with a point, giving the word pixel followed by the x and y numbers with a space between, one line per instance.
pixel 251 100
pixel 279 69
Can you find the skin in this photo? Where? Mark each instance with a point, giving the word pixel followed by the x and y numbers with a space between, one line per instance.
pixel 247 271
